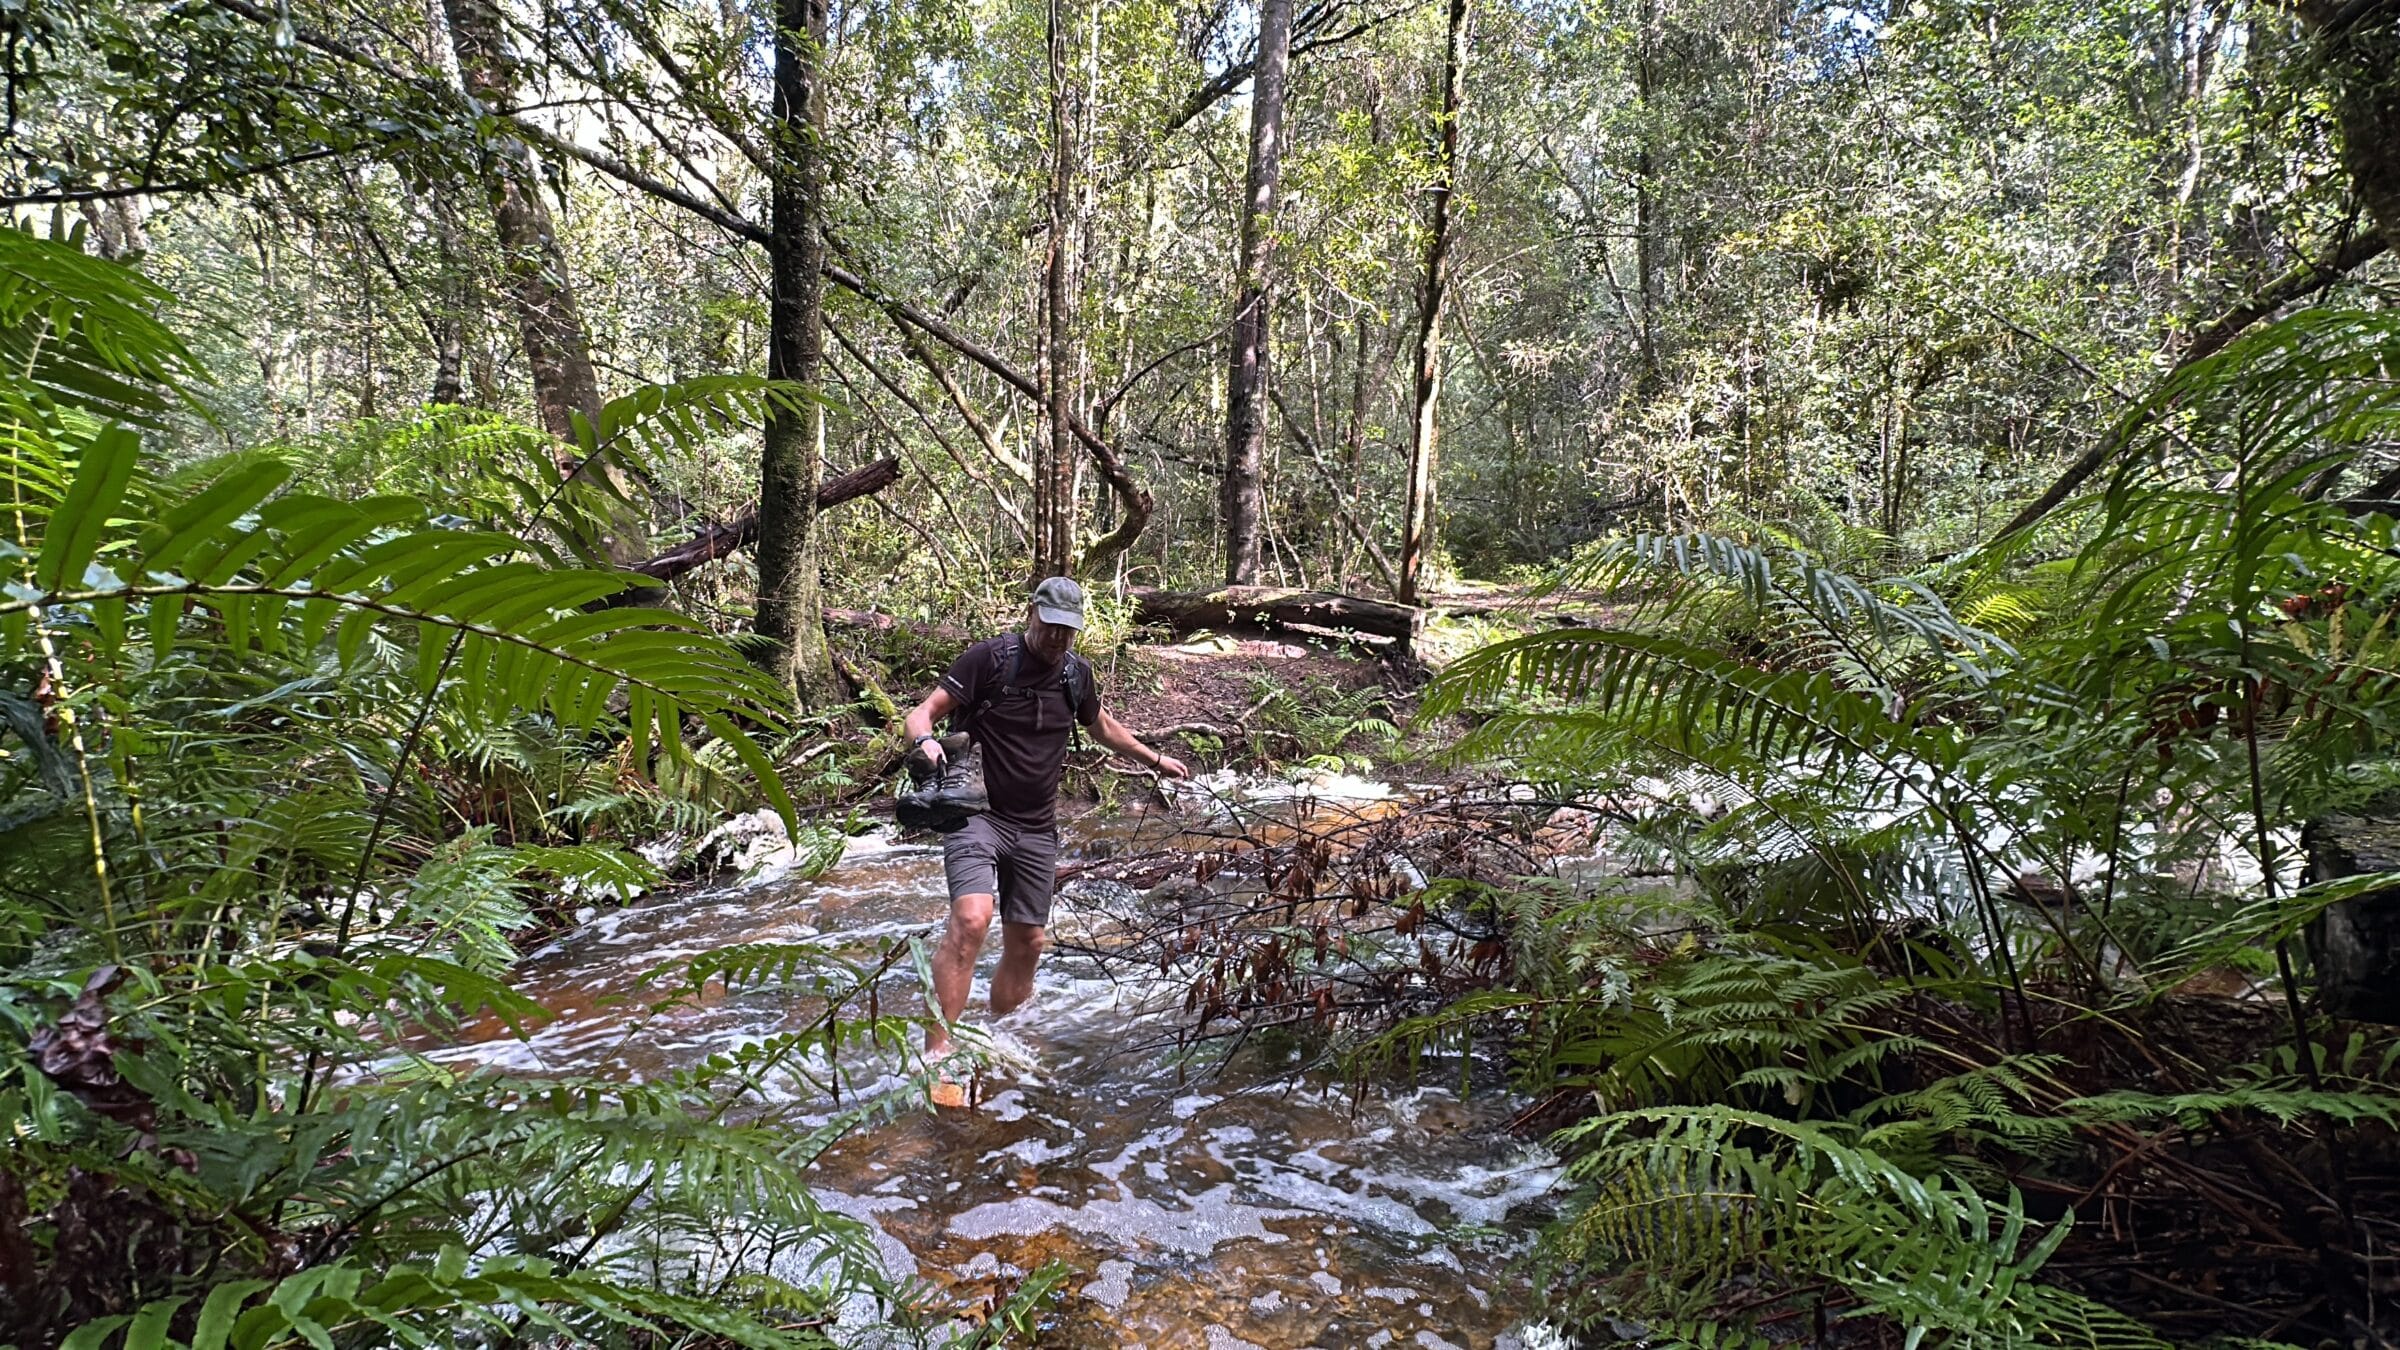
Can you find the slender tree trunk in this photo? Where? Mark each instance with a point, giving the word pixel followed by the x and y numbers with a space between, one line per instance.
pixel 450 303
pixel 1354 435
pixel 1418 524
pixel 1648 244
pixel 119 228
pixel 1246 422
pixel 557 346
pixel 790 611
pixel 1055 455
pixel 551 325
pixel 449 356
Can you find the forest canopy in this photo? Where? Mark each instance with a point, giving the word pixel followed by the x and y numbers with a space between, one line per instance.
pixel 1892 270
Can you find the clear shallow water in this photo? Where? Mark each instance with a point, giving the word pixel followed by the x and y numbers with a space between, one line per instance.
pixel 1207 1204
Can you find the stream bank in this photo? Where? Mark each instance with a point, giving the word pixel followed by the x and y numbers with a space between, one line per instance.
pixel 1224 1195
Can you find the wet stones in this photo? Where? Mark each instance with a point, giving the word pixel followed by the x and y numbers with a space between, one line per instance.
pixel 1182 900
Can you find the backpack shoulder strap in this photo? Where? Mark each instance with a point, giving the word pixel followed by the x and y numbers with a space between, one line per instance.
pixel 1007 659
pixel 1076 676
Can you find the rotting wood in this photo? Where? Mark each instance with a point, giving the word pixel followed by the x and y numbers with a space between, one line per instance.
pixel 1274 607
pixel 2356 943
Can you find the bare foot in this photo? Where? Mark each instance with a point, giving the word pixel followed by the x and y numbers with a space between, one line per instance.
pixel 948 1095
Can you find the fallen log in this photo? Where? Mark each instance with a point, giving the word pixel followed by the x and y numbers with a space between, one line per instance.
pixel 2356 942
pixel 1271 607
pixel 876 620
pixel 714 540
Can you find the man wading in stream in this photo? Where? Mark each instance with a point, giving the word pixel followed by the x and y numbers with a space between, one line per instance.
pixel 1019 697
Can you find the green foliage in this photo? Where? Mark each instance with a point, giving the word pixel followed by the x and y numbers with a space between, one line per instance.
pixel 1905 831
pixel 293 770
pixel 82 333
pixel 1322 725
pixel 1691 1195
pixel 428 1305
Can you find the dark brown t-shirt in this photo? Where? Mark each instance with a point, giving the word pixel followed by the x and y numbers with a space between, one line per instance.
pixel 1023 733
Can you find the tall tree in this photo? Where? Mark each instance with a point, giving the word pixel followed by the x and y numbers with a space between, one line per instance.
pixel 454 299
pixel 556 345
pixel 1245 404
pixel 1649 243
pixel 1417 525
pixel 1055 459
pixel 790 619
pixel 549 323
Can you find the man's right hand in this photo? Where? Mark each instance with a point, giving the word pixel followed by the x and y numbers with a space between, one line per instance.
pixel 928 752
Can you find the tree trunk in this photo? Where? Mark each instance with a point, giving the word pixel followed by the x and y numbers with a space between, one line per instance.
pixel 451 301
pixel 1245 412
pixel 713 541
pixel 1342 494
pixel 2356 944
pixel 557 348
pixel 1054 458
pixel 790 610
pixel 1132 498
pixel 2359 41
pixel 1649 250
pixel 1418 523
pixel 119 228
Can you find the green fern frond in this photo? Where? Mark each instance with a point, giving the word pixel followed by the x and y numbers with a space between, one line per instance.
pixel 1690 1195
pixel 426 1305
pixel 2285 1104
pixel 84 331
pixel 286 574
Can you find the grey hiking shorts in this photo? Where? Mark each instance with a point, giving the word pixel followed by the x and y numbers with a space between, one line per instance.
pixel 993 857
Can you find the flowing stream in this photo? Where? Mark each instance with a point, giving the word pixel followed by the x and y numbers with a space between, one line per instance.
pixel 1241 1201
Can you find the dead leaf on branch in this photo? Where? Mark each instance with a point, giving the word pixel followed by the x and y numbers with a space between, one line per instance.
pixel 79 1053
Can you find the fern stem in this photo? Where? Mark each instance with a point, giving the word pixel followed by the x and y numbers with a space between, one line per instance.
pixel 55 672
pixel 2116 841
pixel 2340 1256
pixel 366 852
pixel 1989 909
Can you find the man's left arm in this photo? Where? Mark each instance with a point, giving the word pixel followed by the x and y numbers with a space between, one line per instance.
pixel 1108 731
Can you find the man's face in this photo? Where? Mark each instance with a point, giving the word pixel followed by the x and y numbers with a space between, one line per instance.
pixel 1047 641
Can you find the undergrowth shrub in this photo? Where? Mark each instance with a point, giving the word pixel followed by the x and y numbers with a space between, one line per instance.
pixel 1960 848
pixel 281 772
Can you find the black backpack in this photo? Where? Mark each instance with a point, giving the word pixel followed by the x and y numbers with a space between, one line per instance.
pixel 945 799
pixel 1074 680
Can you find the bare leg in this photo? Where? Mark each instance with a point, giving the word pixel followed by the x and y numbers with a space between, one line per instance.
pixel 1021 947
pixel 954 964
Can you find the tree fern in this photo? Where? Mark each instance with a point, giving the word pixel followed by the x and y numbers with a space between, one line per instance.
pixel 1691 1195
pixel 1920 832
pixel 242 847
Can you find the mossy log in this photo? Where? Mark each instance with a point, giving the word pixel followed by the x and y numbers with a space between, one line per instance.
pixel 1270 607
pixel 2356 943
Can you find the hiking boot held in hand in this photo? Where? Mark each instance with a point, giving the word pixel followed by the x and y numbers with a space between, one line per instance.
pixel 947 795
